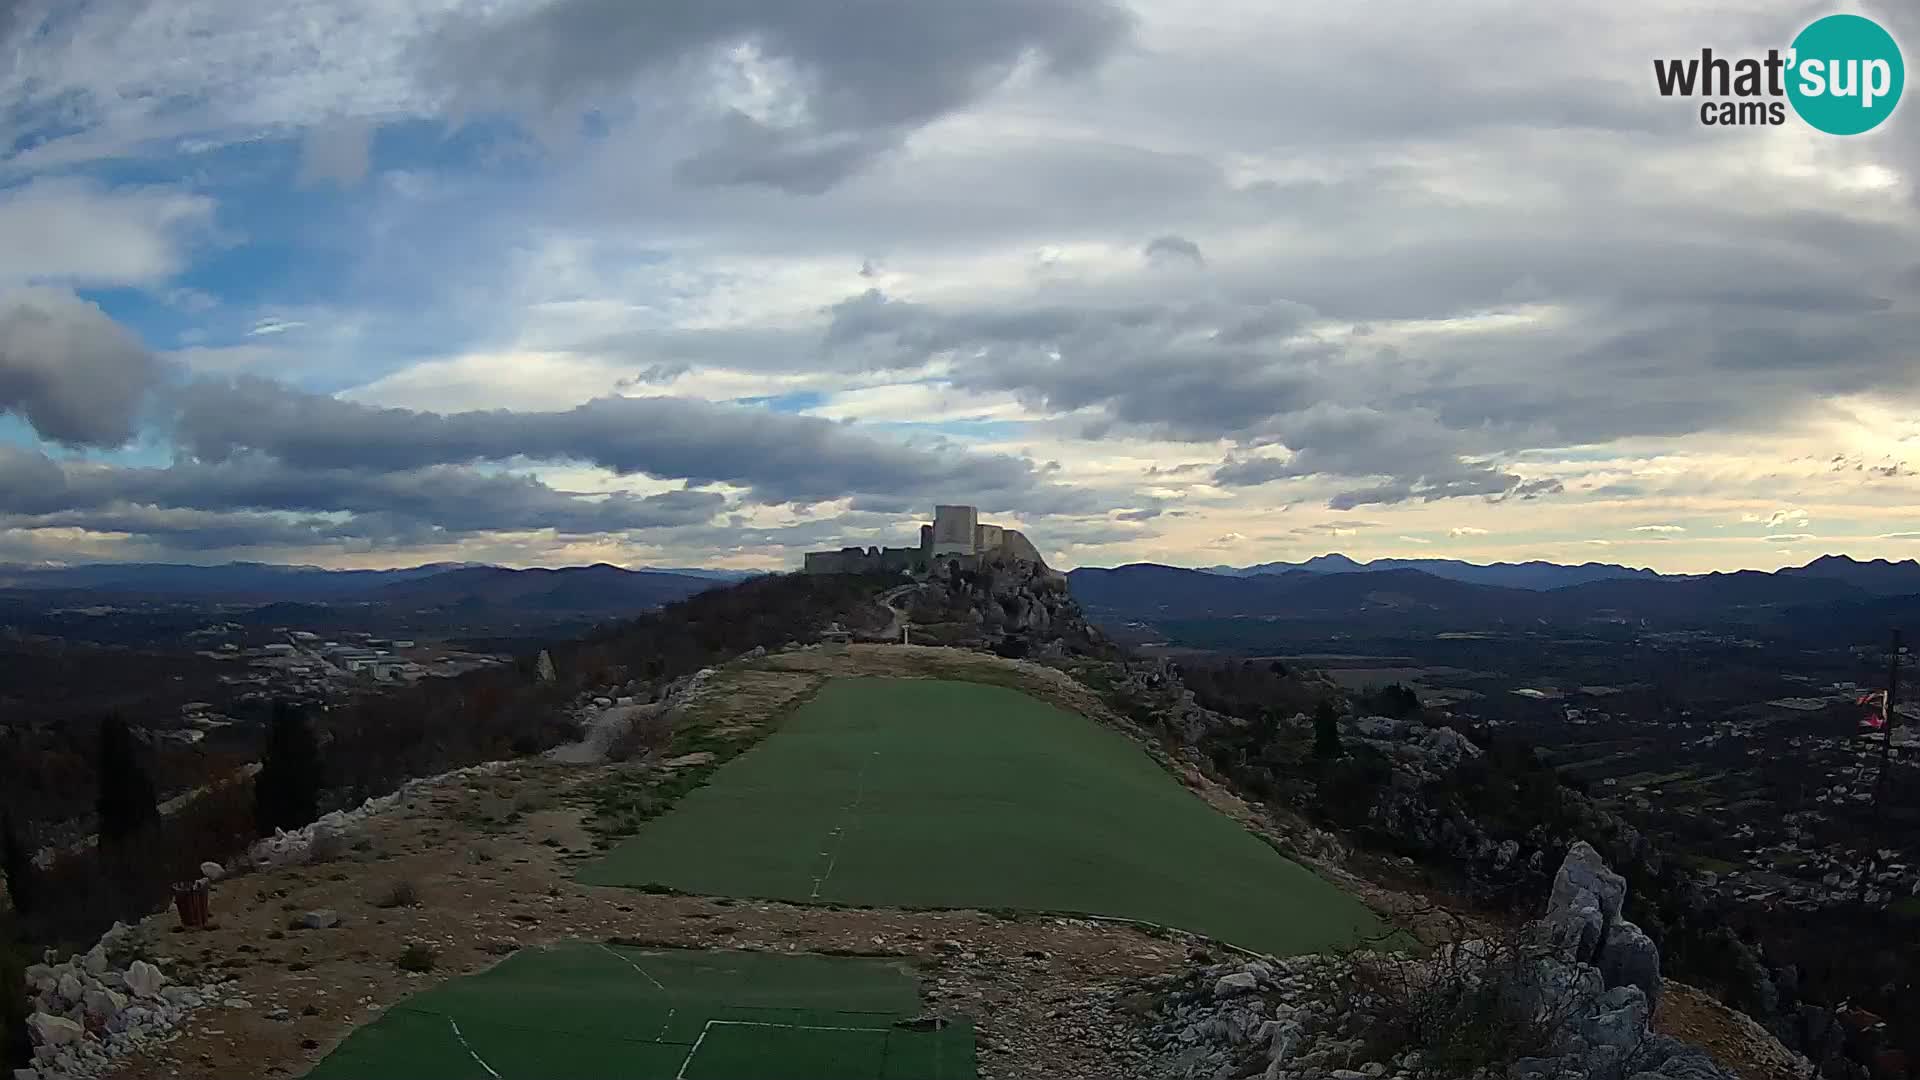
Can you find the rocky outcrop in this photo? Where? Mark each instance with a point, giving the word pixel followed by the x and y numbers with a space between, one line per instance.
pixel 1002 598
pixel 1584 917
pixel 100 1005
pixel 1375 1016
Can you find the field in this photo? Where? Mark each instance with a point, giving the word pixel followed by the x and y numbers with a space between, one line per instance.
pixel 919 793
pixel 654 1014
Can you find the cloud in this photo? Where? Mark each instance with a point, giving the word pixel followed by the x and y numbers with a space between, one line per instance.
pixel 1789 517
pixel 77 231
pixel 69 370
pixel 1663 529
pixel 445 501
pixel 337 153
pixel 1900 536
pixel 780 458
pixel 1175 247
pixel 1466 530
pixel 798 96
pixel 1415 539
pixel 1787 538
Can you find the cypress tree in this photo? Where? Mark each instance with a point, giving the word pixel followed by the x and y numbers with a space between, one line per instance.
pixel 286 793
pixel 1326 731
pixel 17 863
pixel 16 1045
pixel 127 802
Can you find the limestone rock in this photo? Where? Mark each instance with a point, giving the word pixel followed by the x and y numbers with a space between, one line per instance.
pixel 54 1030
pixel 1585 873
pixel 212 871
pixel 104 1004
pixel 1619 1019
pixel 320 919
pixel 1448 747
pixel 1628 957
pixel 1235 984
pixel 144 980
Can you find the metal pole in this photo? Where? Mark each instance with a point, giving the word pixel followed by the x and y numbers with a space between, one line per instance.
pixel 1887 718
pixel 1886 731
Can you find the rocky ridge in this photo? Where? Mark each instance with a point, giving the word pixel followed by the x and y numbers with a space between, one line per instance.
pixel 1569 997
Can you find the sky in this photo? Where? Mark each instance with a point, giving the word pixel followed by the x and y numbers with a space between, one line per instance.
pixel 543 282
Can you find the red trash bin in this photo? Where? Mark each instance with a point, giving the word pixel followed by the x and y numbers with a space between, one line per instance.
pixel 190 899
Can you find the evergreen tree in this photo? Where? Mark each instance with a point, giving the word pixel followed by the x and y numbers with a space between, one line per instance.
pixel 127 802
pixel 16 1045
pixel 17 862
pixel 1399 702
pixel 286 793
pixel 1326 731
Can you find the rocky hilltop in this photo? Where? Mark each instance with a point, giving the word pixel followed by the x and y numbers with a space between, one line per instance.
pixel 1015 604
pixel 1549 936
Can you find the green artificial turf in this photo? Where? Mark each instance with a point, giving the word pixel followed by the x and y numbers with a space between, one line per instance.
pixel 581 1010
pixel 932 794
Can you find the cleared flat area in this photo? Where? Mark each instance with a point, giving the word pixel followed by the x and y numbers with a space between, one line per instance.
pixel 932 794
pixel 660 1014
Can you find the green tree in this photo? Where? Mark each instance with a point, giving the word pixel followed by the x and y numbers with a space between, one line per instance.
pixel 16 1045
pixel 1399 702
pixel 17 862
pixel 286 793
pixel 1326 730
pixel 127 803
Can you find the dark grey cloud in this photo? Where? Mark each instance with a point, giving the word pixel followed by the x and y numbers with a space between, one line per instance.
pixel 781 458
pixel 1165 368
pixel 1198 372
pixel 76 376
pixel 443 500
pixel 855 76
pixel 1175 247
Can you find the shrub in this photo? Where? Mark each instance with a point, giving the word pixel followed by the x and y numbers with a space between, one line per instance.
pixel 327 846
pixel 402 893
pixel 417 956
pixel 1479 1004
pixel 645 735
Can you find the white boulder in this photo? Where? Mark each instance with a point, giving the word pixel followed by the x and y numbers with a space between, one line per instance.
pixel 144 980
pixel 54 1030
pixel 104 1004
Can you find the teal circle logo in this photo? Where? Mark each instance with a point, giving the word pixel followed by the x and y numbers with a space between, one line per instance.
pixel 1846 74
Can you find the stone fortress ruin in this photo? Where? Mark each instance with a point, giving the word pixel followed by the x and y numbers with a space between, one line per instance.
pixel 955 536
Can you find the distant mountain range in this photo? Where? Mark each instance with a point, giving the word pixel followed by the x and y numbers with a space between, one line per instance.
pixel 1440 593
pixel 438 586
pixel 1878 577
